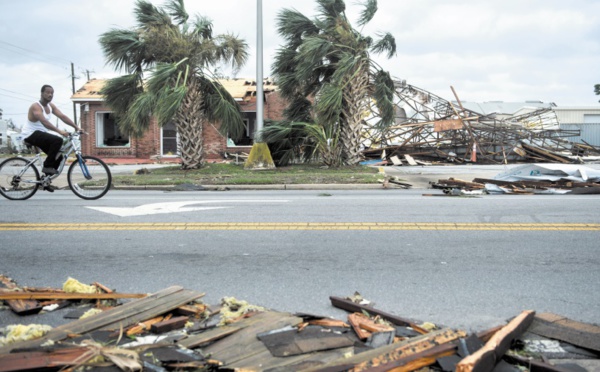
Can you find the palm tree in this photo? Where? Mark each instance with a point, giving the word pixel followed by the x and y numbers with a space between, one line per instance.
pixel 167 60
pixel 329 61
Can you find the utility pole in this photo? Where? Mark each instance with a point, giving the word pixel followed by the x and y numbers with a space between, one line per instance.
pixel 260 155
pixel 73 87
pixel 260 102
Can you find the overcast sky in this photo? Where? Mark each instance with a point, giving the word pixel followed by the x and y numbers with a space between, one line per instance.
pixel 493 50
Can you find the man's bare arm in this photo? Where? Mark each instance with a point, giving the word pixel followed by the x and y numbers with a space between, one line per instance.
pixel 63 117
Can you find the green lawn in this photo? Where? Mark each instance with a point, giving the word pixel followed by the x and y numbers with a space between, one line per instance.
pixel 235 174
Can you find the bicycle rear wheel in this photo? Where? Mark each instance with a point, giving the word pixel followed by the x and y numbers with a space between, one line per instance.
pixel 18 181
pixel 89 177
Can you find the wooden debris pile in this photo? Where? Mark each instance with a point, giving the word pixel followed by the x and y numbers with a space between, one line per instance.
pixel 429 128
pixel 171 330
pixel 486 185
pixel 529 179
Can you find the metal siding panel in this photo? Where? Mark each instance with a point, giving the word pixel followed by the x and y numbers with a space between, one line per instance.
pixel 590 133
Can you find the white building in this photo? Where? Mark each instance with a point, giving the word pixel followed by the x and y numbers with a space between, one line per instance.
pixel 586 119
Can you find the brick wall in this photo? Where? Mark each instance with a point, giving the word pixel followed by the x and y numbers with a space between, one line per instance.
pixel 147 146
pixel 214 143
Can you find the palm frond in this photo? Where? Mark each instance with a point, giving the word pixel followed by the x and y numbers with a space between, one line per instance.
pixel 293 25
pixel 168 103
pixel 177 11
pixel 329 104
pixel 299 109
pixel 368 12
pixel 313 53
pixel 233 50
pixel 123 49
pixel 331 8
pixel 121 91
pixel 288 141
pixel 221 107
pixel 168 75
pixel 147 15
pixel 137 119
pixel 386 43
pixel 383 94
pixel 284 61
pixel 347 65
pixel 202 28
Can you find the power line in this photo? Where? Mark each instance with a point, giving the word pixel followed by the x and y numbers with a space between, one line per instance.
pixel 14 113
pixel 36 54
pixel 22 99
pixel 21 94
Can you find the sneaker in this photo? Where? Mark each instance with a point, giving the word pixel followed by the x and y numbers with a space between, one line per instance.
pixel 50 188
pixel 49 170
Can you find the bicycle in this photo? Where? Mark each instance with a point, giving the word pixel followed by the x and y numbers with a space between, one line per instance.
pixel 88 176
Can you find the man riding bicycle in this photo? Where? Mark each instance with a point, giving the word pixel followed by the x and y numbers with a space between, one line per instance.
pixel 36 130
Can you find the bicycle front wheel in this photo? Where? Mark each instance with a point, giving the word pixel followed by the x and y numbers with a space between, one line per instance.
pixel 89 177
pixel 18 179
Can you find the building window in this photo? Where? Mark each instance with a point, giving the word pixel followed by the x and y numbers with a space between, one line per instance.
pixel 247 138
pixel 169 140
pixel 108 133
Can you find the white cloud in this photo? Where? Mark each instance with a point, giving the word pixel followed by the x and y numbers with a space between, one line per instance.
pixel 509 50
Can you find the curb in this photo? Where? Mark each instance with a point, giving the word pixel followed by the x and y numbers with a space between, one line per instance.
pixel 250 187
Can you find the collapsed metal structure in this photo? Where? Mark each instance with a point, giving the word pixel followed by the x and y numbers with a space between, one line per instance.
pixel 430 128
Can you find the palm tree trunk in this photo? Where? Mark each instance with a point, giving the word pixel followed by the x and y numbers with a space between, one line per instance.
pixel 189 120
pixel 355 106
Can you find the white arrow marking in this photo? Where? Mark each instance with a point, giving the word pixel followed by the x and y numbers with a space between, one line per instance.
pixel 171 207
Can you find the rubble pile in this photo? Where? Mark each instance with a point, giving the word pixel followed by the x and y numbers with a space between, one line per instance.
pixel 429 129
pixel 172 330
pixel 529 179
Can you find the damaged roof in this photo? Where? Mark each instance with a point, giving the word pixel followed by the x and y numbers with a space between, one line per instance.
pixel 240 89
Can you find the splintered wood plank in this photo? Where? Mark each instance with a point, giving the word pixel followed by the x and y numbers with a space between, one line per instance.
pixel 486 358
pixel 192 310
pixel 561 328
pixel 329 323
pixel 418 360
pixel 41 360
pixel 213 334
pixel 348 305
pixel 395 352
pixel 143 326
pixel 120 316
pixel 18 306
pixel 169 325
pixel 364 326
pixel 7 296
pixel 245 343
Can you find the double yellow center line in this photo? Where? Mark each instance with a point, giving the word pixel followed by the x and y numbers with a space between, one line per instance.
pixel 369 226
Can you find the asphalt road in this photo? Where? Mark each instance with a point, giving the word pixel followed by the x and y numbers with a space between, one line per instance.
pixel 465 262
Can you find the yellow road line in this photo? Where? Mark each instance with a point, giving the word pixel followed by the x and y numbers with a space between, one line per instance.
pixel 371 226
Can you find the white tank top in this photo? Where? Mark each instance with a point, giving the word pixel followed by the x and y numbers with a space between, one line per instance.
pixel 31 127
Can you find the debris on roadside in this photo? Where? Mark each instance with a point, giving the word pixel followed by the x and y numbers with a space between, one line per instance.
pixel 529 179
pixel 173 330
